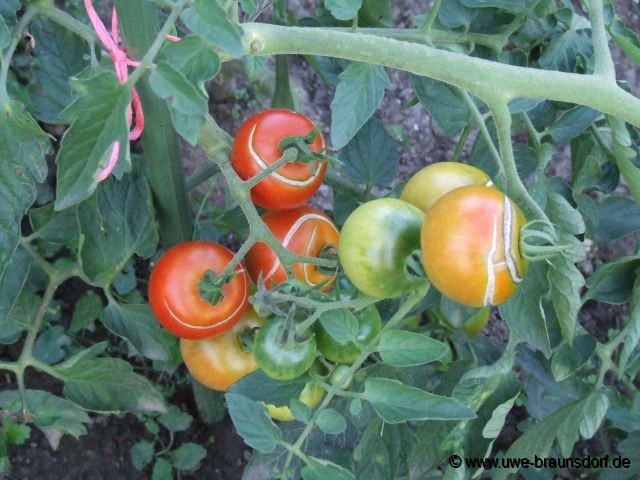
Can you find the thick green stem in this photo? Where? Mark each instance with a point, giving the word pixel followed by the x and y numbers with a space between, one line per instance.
pixel 431 17
pixel 603 61
pixel 282 95
pixel 514 186
pixel 139 23
pixel 484 78
pixel 464 136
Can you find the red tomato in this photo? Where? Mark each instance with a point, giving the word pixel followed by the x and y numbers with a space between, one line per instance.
pixel 305 231
pixel 174 294
pixel 470 246
pixel 256 147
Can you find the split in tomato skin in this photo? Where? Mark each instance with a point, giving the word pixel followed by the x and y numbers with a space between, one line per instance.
pixel 434 181
pixel 220 361
pixel 375 242
pixel 470 246
pixel 174 293
pixel 256 146
pixel 305 231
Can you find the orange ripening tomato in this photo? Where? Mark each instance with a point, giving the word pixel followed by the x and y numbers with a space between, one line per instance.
pixel 219 361
pixel 470 246
pixel 428 185
pixel 256 146
pixel 174 293
pixel 305 231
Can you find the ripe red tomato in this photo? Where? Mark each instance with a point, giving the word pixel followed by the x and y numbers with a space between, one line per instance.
pixel 426 186
pixel 305 231
pixel 219 361
pixel 174 293
pixel 256 147
pixel 470 246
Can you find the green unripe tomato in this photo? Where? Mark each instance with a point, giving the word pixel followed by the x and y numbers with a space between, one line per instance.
pixel 375 242
pixel 339 378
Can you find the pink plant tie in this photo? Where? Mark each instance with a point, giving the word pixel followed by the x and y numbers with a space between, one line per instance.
pixel 121 63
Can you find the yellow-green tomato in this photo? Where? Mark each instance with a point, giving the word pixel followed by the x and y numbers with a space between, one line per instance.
pixel 311 395
pixel 435 180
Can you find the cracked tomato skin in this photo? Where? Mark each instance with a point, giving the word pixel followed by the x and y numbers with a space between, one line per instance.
pixel 470 246
pixel 255 147
pixel 175 298
pixel 434 181
pixel 304 231
pixel 220 361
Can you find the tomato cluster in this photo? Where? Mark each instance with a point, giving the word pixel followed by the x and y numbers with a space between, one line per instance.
pixel 467 232
pixel 196 295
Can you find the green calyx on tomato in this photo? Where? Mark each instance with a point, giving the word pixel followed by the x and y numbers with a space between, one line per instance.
pixel 211 285
pixel 434 181
pixel 280 353
pixel 341 336
pixel 375 242
pixel 175 295
pixel 302 143
pixel 258 145
pixel 470 246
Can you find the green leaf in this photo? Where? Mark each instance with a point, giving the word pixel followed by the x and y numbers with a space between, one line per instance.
pixel 318 469
pixel 514 6
pixel 400 348
pixel 116 223
pixel 23 146
pixel 300 410
pixel 259 387
pixel 498 418
pixel 187 103
pixel 343 9
pixel 626 38
pixel 444 104
pixel 331 422
pixel 8 9
pixel 253 423
pixel 209 20
pixel 568 359
pixel 358 95
pixel 453 14
pixel 566 282
pixel 379 451
pixel 60 54
pixel 341 325
pixel 161 470
pixel 52 226
pixel 371 157
pixel 86 311
pixel 11 284
pixel 565 49
pixel 531 328
pixel 5 34
pixel 572 123
pixel 615 217
pixel 248 6
pixel 109 385
pixel 210 403
pixel 565 425
pixel 53 415
pixel 188 456
pixel 632 338
pixel 564 215
pixel 14 433
pixel 396 402
pixel 613 281
pixel 141 455
pixel 175 420
pixel 50 345
pixel 192 57
pixel 98 119
pixel 137 324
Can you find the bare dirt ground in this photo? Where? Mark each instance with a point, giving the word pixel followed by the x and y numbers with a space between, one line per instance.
pixel 104 452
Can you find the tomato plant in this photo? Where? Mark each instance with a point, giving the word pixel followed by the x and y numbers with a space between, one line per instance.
pixel 425 187
pixel 189 128
pixel 176 296
pixel 257 145
pixel 221 360
pixel 470 246
pixel 304 231
pixel 375 242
